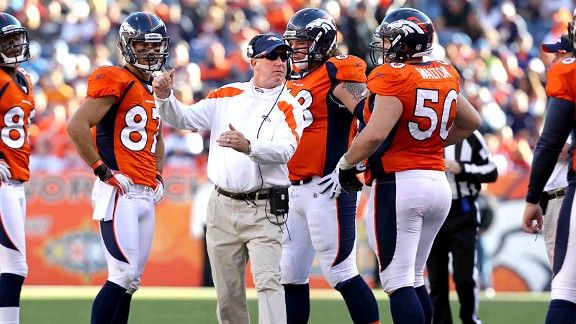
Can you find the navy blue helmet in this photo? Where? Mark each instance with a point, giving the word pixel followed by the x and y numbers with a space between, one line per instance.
pixel 14 46
pixel 319 29
pixel 410 33
pixel 147 28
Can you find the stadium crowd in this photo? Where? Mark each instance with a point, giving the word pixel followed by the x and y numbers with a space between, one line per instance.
pixel 494 45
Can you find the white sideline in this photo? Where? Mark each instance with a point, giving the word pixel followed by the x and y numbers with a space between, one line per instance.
pixel 186 293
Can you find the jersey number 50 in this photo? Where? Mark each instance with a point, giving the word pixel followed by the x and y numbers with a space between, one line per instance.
pixel 421 110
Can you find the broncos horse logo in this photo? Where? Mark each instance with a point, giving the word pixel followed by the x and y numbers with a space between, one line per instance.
pixel 324 23
pixel 407 26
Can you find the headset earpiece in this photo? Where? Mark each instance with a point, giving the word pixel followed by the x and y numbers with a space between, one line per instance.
pixel 250 50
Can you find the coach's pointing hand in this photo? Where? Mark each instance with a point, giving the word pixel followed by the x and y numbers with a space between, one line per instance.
pixel 162 84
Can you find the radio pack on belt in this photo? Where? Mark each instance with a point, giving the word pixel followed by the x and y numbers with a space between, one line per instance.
pixel 278 197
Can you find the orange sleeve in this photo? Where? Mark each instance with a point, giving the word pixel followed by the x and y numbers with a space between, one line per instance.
pixel 386 80
pixel 287 109
pixel 559 77
pixel 349 68
pixel 106 81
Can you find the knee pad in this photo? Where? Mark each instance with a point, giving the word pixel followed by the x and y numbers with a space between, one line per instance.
pixel 123 275
pixel 340 273
pixel 134 285
pixel 294 273
pixel 19 267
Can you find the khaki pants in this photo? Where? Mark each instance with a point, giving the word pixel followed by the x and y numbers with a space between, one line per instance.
pixel 238 230
pixel 550 225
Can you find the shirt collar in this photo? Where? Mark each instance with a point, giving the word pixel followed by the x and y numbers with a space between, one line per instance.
pixel 266 92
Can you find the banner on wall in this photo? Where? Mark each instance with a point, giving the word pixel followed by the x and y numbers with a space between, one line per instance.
pixel 63 242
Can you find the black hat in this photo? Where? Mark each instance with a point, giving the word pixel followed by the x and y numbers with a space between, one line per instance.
pixel 264 44
pixel 561 46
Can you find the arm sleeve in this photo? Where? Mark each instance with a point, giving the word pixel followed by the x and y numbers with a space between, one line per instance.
pixel 482 169
pixel 286 138
pixel 557 127
pixel 195 117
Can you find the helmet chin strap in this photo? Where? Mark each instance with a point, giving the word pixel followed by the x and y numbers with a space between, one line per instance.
pixel 148 67
pixel 301 65
pixel 12 61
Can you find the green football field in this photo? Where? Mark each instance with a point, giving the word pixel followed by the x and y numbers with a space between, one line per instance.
pixel 62 305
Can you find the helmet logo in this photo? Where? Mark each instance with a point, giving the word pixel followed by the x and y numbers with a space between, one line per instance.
pixel 324 23
pixel 407 26
pixel 8 28
pixel 153 37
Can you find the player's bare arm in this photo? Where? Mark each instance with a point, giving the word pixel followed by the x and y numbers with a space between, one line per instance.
pixel 351 93
pixel 87 116
pixel 467 120
pixel 387 111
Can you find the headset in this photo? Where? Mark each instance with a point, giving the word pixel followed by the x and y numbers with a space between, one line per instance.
pixel 250 54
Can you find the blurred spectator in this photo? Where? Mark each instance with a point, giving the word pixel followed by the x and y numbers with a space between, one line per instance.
pixel 44 159
pixel 358 30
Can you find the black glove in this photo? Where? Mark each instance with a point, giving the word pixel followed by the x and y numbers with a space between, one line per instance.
pixel 349 181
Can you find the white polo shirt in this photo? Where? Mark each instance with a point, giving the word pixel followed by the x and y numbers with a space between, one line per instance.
pixel 270 119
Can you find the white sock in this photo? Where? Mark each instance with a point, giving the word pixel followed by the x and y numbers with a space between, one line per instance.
pixel 9 315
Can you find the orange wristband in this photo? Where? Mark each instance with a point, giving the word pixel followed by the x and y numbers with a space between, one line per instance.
pixel 96 164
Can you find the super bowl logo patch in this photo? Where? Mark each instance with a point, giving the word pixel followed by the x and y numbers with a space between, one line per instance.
pixel 76 251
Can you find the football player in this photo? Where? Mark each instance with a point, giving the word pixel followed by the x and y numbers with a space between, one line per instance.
pixel 16 111
pixel 413 111
pixel 329 86
pixel 126 154
pixel 559 124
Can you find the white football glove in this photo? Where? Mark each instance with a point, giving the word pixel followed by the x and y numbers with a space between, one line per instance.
pixel 5 173
pixel 331 183
pixel 158 192
pixel 121 181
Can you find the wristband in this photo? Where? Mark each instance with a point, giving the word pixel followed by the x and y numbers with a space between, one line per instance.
pixel 344 165
pixel 96 164
pixel 159 176
pixel 103 172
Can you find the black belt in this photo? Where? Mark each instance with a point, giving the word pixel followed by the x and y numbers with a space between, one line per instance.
pixel 256 195
pixel 556 193
pixel 300 182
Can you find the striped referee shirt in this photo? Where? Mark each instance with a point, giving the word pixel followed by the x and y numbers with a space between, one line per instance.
pixel 477 166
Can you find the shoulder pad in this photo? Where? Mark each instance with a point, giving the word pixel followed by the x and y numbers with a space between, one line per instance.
pixel 348 68
pixel 108 81
pixel 386 79
pixel 560 79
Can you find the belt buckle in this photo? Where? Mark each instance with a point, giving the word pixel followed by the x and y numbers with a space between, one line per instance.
pixel 556 193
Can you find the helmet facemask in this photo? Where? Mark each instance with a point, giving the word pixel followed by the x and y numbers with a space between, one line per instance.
pixel 145 60
pixel 14 47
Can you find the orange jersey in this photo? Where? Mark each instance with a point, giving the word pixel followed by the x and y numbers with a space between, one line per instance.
pixel 560 78
pixel 16 111
pixel 559 84
pixel 126 135
pixel 428 92
pixel 328 126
